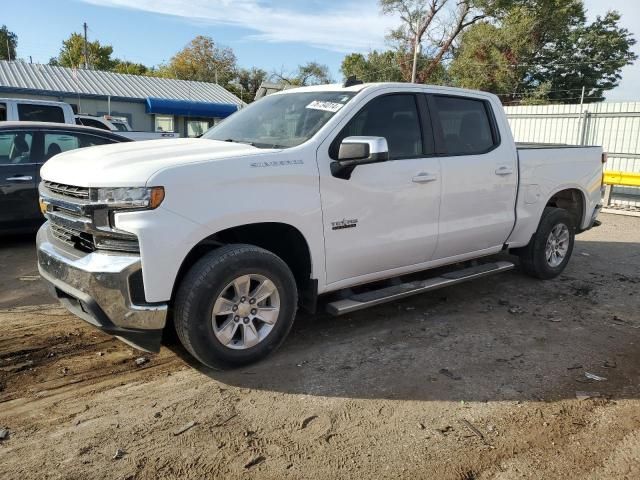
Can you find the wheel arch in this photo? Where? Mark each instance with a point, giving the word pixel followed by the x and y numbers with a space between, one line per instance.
pixel 282 239
pixel 570 198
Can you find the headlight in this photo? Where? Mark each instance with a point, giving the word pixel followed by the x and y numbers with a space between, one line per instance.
pixel 131 197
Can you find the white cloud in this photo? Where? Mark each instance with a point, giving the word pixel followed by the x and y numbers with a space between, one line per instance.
pixel 353 26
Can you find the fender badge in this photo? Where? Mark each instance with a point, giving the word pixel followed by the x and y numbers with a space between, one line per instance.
pixel 345 223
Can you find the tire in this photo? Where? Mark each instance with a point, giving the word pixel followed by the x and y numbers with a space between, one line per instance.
pixel 534 258
pixel 216 284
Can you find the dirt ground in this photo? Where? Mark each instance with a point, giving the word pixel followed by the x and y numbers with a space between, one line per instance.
pixel 484 380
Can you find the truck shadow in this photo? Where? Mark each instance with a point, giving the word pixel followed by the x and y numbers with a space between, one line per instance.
pixel 507 337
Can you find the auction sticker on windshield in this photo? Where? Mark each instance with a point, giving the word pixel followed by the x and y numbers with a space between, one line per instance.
pixel 326 106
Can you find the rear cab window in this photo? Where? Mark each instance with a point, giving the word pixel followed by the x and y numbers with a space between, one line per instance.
pixel 30 112
pixel 467 125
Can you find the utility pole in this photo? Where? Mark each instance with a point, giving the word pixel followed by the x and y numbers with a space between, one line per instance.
pixel 86 55
pixel 582 98
pixel 8 49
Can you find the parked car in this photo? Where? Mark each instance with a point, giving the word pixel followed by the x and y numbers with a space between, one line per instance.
pixel 121 126
pixel 19 109
pixel 24 148
pixel 332 191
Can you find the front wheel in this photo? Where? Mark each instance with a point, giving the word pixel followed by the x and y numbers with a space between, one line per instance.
pixel 235 306
pixel 551 246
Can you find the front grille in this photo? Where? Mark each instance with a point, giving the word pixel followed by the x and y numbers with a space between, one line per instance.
pixel 74 238
pixel 67 190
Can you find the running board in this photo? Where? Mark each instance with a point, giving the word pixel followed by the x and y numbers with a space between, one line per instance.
pixel 396 292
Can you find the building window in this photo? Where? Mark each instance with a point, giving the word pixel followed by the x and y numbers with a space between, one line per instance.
pixel 164 123
pixel 195 128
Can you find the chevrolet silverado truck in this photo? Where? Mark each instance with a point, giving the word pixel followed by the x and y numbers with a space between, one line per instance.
pixel 333 195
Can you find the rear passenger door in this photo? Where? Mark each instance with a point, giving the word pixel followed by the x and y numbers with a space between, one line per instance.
pixel 479 176
pixel 385 216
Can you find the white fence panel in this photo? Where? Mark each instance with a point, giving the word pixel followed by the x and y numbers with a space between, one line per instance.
pixel 614 126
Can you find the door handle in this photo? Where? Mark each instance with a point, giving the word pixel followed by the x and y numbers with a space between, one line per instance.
pixel 20 178
pixel 424 177
pixel 504 171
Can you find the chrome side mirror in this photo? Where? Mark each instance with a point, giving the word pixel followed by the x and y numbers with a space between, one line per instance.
pixel 362 150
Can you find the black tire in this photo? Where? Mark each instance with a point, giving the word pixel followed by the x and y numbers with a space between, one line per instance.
pixel 533 259
pixel 206 281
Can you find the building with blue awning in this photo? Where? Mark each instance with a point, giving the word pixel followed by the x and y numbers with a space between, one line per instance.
pixel 148 103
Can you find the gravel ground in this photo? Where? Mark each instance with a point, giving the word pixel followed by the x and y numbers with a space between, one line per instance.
pixel 486 380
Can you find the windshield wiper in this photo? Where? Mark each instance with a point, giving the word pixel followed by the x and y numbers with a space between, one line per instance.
pixel 239 141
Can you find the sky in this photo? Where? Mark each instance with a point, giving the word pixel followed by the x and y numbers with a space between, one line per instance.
pixel 276 35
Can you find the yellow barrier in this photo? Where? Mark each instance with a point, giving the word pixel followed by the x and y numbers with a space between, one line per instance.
pixel 624 179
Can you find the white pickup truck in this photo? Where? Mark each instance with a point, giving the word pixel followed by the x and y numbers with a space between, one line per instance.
pixel 333 192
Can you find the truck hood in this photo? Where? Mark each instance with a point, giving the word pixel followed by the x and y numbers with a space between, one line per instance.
pixel 132 163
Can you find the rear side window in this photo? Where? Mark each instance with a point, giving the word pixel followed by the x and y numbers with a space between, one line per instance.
pixel 3 112
pixel 466 125
pixel 90 122
pixel 91 140
pixel 394 117
pixel 15 148
pixel 40 113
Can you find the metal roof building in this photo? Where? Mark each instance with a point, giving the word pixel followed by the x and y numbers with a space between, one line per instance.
pixel 147 102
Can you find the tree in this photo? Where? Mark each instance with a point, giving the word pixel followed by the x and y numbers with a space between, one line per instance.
pixel 202 60
pixel 311 73
pixel 247 83
pixel 388 66
pixel 8 44
pixel 544 50
pixel 131 68
pixel 375 67
pixel 72 54
pixel 432 26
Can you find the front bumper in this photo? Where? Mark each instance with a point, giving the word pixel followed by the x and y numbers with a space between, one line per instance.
pixel 101 288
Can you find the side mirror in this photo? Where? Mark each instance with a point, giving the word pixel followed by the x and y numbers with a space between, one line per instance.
pixel 362 150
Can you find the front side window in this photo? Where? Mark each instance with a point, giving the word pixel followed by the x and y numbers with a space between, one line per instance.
pixel 164 123
pixel 466 125
pixel 15 148
pixel 29 112
pixel 394 117
pixel 280 120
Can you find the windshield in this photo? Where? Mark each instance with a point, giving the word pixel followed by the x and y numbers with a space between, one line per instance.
pixel 280 121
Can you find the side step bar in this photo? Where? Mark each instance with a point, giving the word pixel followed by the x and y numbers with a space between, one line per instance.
pixel 396 292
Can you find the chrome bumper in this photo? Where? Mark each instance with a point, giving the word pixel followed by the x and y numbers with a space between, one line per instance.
pixel 98 287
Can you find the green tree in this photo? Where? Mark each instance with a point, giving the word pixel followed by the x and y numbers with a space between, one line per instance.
pixel 72 54
pixel 247 82
pixel 8 44
pixel 202 60
pixel 390 66
pixel 544 50
pixel 429 28
pixel 311 73
pixel 374 67
pixel 131 68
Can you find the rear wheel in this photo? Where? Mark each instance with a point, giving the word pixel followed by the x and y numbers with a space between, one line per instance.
pixel 551 246
pixel 235 306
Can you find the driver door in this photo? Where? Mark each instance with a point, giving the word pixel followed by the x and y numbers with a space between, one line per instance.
pixel 385 216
